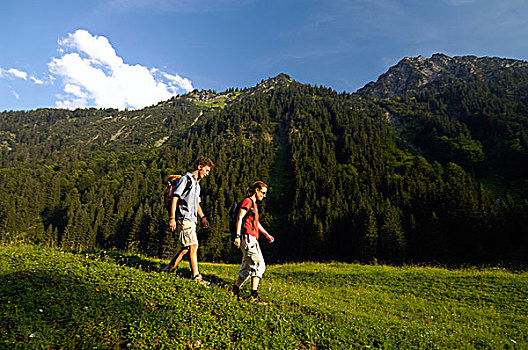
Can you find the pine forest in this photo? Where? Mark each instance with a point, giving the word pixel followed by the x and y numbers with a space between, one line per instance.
pixel 413 168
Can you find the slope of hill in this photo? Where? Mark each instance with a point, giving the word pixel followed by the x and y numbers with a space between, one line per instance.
pixel 413 74
pixel 52 299
pixel 469 110
pixel 347 178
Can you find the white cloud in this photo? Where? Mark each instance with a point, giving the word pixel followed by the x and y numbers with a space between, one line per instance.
pixel 13 73
pixel 94 75
pixel 18 74
pixel 74 90
pixel 36 81
pixel 179 81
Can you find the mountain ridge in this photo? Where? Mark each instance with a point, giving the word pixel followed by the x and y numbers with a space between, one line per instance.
pixel 345 183
pixel 413 73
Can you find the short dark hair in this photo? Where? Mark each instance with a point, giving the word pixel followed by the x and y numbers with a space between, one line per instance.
pixel 203 161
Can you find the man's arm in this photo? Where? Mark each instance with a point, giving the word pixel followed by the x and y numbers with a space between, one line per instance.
pixel 172 220
pixel 201 215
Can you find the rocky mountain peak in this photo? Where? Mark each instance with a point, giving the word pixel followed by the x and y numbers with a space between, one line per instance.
pixel 413 73
pixel 280 80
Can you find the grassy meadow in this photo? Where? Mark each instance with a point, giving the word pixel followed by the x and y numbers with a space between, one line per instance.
pixel 107 300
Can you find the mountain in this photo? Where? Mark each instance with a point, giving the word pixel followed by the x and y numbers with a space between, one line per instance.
pixel 466 109
pixel 413 74
pixel 412 177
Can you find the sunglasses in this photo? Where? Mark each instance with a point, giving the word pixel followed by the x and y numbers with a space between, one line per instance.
pixel 263 193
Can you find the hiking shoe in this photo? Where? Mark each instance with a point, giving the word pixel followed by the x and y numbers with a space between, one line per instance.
pixel 199 279
pixel 236 291
pixel 167 269
pixel 257 300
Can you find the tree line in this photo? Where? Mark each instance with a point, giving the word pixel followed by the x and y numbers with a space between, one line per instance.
pixel 345 183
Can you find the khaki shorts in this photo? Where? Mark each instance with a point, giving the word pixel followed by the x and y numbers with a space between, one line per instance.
pixel 187 233
pixel 252 259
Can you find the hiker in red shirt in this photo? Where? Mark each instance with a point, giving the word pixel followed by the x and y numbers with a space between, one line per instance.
pixel 247 234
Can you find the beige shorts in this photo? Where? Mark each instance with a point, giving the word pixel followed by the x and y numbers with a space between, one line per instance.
pixel 187 233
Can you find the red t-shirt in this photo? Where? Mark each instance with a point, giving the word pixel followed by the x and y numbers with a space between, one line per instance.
pixel 251 225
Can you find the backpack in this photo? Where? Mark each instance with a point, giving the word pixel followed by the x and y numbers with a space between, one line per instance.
pixel 233 216
pixel 172 183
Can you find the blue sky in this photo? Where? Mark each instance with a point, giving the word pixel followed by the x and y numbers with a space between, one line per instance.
pixel 135 53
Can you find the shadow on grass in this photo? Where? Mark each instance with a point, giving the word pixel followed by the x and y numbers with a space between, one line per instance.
pixel 149 265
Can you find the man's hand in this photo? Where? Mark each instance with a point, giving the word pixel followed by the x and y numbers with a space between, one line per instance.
pixel 172 224
pixel 205 223
pixel 237 242
pixel 271 239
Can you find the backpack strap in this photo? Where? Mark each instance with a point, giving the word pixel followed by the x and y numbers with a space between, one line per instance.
pixel 188 186
pixel 171 187
pixel 251 211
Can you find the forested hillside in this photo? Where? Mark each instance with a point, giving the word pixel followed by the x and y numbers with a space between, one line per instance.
pixel 473 111
pixel 433 174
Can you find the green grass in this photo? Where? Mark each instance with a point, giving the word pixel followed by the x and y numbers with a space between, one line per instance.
pixel 97 300
pixel 216 103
